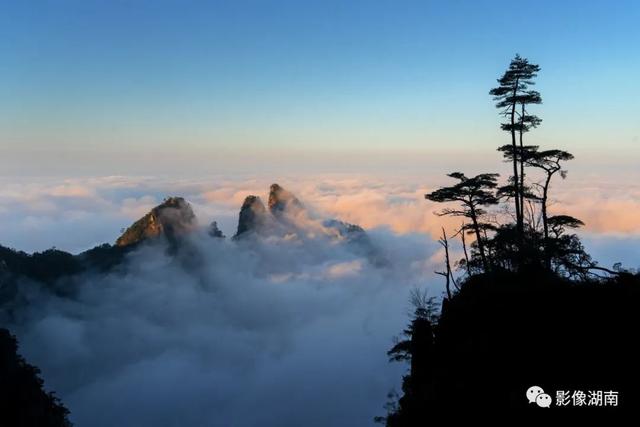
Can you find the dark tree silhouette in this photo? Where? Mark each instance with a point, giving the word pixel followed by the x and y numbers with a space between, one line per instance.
pixel 531 292
pixel 519 190
pixel 23 402
pixel 526 122
pixel 503 332
pixel 473 194
pixel 448 272
pixel 462 231
pixel 418 349
pixel 512 95
pixel 549 162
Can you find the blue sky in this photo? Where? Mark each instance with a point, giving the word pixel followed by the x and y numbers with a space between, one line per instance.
pixel 318 77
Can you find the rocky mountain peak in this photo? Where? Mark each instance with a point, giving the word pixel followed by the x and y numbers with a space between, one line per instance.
pixel 281 200
pixel 252 215
pixel 214 231
pixel 172 218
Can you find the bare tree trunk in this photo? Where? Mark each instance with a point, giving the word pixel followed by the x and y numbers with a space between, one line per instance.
pixel 476 228
pixel 522 164
pixel 545 220
pixel 447 274
pixel 516 181
pixel 464 248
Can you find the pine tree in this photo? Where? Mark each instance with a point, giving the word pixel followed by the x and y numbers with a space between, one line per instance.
pixel 473 194
pixel 512 96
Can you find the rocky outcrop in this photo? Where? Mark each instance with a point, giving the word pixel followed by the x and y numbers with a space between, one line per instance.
pixel 281 201
pixel 255 217
pixel 350 232
pixel 357 240
pixel 285 216
pixel 214 231
pixel 173 218
pixel 252 216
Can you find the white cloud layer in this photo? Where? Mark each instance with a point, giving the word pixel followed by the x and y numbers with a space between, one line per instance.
pixel 276 332
pixel 281 332
pixel 76 214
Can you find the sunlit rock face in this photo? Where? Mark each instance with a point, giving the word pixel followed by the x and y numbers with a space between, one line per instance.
pixel 285 226
pixel 285 217
pixel 171 219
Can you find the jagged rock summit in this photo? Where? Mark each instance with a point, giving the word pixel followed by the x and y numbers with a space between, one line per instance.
pixel 256 217
pixel 281 201
pixel 214 231
pixel 172 218
pixel 286 216
pixel 252 215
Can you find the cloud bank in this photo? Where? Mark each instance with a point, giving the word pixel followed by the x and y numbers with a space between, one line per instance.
pixel 276 331
pixel 76 214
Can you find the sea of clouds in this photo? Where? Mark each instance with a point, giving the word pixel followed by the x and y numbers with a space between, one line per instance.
pixel 276 331
pixel 77 214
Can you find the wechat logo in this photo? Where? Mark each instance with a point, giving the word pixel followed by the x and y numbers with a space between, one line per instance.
pixel 537 395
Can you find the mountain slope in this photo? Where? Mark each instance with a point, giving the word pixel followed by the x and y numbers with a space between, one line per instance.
pixel 172 218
